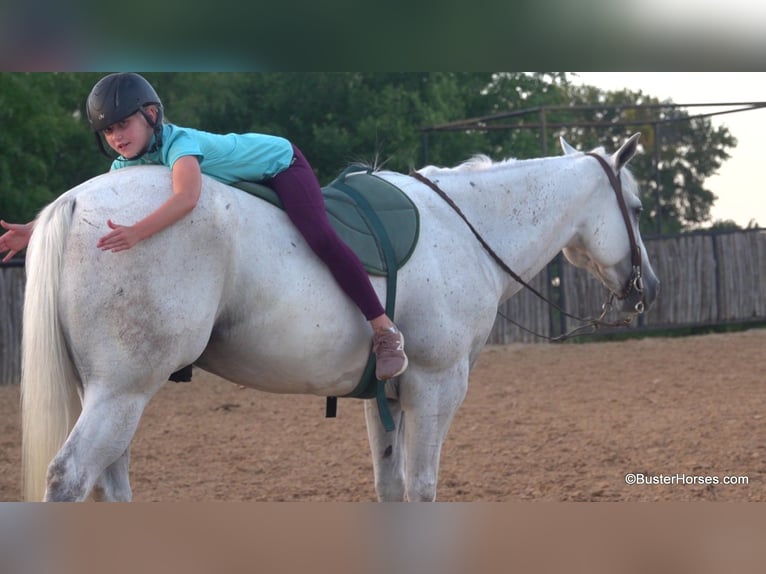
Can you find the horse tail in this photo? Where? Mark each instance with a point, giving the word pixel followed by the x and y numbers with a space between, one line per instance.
pixel 50 385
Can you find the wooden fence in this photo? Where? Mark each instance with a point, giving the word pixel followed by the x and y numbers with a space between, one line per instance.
pixel 707 278
pixel 11 305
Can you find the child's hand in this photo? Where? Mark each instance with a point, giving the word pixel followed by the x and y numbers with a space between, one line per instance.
pixel 120 238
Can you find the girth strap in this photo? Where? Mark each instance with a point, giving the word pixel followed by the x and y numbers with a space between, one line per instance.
pixel 362 390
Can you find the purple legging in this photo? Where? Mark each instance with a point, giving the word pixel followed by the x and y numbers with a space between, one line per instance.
pixel 301 196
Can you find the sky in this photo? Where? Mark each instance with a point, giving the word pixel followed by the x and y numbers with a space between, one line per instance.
pixel 740 183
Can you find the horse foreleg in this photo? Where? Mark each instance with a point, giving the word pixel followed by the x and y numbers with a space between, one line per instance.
pixel 99 441
pixel 387 452
pixel 429 402
pixel 114 483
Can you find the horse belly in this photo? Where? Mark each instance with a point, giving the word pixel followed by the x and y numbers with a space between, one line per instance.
pixel 289 363
pixel 290 329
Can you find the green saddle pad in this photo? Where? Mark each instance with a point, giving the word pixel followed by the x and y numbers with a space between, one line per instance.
pixel 351 218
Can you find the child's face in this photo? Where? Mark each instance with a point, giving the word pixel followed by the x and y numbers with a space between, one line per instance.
pixel 129 137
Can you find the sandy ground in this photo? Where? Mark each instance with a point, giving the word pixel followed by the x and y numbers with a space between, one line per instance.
pixel 540 422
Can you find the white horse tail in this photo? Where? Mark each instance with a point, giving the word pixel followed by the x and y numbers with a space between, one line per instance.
pixel 50 385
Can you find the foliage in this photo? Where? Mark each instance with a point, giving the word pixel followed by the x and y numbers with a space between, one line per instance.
pixel 687 150
pixel 337 118
pixel 42 140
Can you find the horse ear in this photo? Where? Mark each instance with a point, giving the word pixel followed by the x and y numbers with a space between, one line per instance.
pixel 626 152
pixel 568 149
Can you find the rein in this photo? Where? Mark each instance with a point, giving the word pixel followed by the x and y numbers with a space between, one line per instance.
pixel 635 282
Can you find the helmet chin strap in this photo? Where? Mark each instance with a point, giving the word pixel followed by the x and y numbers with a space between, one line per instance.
pixel 157 127
pixel 100 142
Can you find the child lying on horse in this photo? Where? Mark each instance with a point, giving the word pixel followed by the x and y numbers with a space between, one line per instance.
pixel 127 113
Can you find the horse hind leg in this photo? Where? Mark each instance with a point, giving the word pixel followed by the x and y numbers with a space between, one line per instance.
pixel 387 452
pixel 96 451
pixel 114 483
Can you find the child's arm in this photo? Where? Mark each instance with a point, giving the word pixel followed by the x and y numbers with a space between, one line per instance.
pixel 15 238
pixel 187 185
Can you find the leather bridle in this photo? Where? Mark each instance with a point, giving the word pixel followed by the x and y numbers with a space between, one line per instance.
pixel 635 282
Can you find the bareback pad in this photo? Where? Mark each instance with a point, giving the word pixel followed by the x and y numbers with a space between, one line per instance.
pixel 381 225
pixel 364 209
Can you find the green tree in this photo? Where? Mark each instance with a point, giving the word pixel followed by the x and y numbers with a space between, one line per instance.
pixel 45 145
pixel 337 118
pixel 515 93
pixel 528 113
pixel 687 150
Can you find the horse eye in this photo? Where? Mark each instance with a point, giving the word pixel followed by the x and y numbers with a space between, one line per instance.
pixel 638 211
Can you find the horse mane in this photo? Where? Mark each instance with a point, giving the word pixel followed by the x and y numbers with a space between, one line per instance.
pixel 478 162
pixel 475 163
pixel 374 164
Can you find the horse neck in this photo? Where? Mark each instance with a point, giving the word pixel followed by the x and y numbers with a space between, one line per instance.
pixel 526 210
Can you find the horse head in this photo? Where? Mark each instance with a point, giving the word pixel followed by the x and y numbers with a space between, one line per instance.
pixel 607 241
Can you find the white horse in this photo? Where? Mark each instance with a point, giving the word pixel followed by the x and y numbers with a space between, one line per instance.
pixel 234 289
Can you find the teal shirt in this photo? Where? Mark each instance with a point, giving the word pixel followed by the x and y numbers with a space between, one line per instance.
pixel 229 158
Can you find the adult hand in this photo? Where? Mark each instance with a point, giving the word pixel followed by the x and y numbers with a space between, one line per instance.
pixel 15 238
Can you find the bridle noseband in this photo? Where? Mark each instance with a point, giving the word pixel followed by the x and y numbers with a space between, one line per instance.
pixel 635 283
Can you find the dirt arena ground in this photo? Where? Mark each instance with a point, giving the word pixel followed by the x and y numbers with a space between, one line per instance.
pixel 540 422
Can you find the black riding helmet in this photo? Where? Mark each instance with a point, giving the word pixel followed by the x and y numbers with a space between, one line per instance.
pixel 117 96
